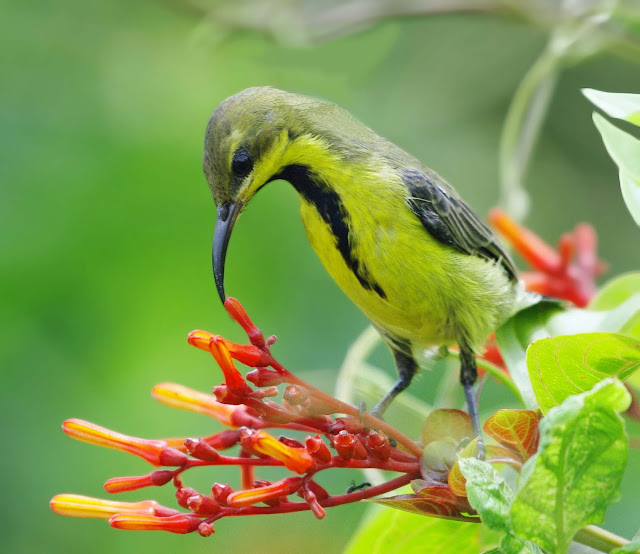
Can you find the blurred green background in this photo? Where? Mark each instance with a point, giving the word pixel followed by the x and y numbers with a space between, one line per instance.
pixel 107 221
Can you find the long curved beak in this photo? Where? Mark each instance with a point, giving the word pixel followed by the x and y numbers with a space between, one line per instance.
pixel 227 215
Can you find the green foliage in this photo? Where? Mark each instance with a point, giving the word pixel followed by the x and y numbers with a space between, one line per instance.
pixel 490 495
pixel 577 471
pixel 396 532
pixel 571 364
pixel 550 319
pixel 623 148
pixel 616 104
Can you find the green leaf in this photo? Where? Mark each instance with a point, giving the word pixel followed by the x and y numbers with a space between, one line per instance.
pixel 571 364
pixel 511 544
pixel 550 319
pixel 616 104
pixel 445 424
pixel 616 291
pixel 625 151
pixel 396 532
pixel 577 471
pixel 489 494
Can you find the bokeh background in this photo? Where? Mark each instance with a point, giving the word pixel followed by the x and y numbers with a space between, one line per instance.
pixel 107 220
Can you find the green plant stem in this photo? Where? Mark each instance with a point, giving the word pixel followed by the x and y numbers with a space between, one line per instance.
pixel 521 128
pixel 599 538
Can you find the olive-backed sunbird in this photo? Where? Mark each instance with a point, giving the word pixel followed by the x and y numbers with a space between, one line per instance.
pixel 394 235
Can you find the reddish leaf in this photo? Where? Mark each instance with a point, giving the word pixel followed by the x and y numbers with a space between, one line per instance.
pixel 455 478
pixel 516 429
pixel 446 424
pixel 430 506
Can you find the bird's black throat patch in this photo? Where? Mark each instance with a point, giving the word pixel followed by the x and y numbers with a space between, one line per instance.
pixel 330 207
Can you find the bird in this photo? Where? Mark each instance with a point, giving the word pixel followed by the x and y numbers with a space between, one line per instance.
pixel 393 234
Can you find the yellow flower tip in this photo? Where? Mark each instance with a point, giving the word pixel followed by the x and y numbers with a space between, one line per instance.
pixel 184 398
pixel 74 505
pixel 295 459
pixel 200 339
pixel 179 523
pixel 149 450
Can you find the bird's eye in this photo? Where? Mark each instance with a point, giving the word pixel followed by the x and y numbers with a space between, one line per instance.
pixel 242 163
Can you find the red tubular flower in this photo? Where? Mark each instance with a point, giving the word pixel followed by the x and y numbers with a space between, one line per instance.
pixel 125 484
pixel 247 412
pixel 238 313
pixel 156 452
pixel 280 489
pixel 568 273
pixel 179 523
pixel 184 398
pixel 232 377
pixel 248 354
pixel 75 505
pixel 318 449
pixel 295 459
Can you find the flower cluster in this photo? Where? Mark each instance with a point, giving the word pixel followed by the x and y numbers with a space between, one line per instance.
pixel 568 272
pixel 353 440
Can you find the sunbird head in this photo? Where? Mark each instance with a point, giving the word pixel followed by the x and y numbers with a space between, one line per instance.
pixel 245 147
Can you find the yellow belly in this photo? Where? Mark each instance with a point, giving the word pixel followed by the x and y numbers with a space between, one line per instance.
pixel 432 294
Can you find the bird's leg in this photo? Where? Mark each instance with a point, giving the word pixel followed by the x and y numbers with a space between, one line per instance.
pixel 407 367
pixel 468 376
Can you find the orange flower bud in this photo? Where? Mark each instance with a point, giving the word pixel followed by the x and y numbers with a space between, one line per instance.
pixel 248 497
pixel 203 505
pixel 124 484
pixel 238 313
pixel 378 445
pixel 155 452
pixel 184 398
pixel 201 450
pixel 74 505
pixel 232 377
pixel 318 449
pixel 345 444
pixel 179 523
pixel 295 459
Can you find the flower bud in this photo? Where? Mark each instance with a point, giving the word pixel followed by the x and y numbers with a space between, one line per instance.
pixel 345 444
pixel 220 492
pixel 248 497
pixel 201 450
pixel 378 445
pixel 203 505
pixel 124 484
pixel 179 523
pixel 296 395
pixel 238 313
pixel 264 377
pixel 318 449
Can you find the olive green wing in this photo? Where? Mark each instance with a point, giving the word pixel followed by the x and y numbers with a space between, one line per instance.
pixel 449 220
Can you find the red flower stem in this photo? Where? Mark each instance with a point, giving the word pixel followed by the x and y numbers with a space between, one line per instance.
pixel 336 461
pixel 342 407
pixel 247 475
pixel 288 507
pixel 271 412
pixel 232 461
pixel 389 465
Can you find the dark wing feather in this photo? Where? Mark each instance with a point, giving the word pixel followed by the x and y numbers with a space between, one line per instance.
pixel 449 220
